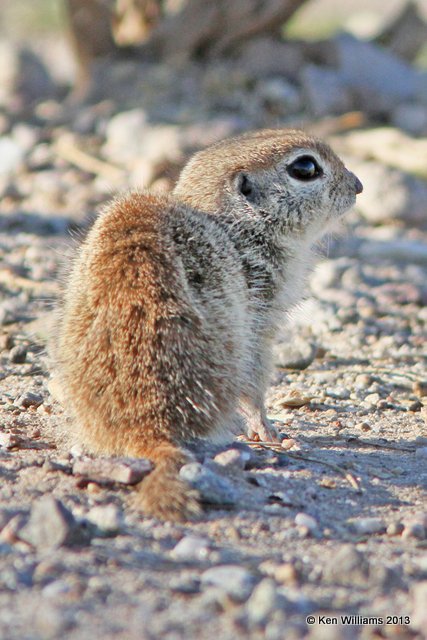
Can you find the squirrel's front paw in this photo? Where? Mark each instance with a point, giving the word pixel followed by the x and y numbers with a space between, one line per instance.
pixel 262 430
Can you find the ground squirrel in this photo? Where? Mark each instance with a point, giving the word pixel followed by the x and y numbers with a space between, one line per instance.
pixel 173 301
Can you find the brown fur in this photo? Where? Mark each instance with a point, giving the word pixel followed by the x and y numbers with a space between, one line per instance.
pixel 172 303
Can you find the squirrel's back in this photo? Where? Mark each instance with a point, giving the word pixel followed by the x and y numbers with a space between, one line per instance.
pixel 152 335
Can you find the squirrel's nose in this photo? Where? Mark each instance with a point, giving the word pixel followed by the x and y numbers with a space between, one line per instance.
pixel 358 185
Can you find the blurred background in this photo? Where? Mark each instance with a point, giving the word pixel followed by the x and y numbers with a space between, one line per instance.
pixel 100 94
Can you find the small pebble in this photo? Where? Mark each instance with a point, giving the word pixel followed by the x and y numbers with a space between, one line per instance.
pixel 363 381
pixel 288 443
pixel 364 426
pixel 6 341
pixel 213 488
pixel 415 527
pixel 371 399
pixel 305 520
pixel 9 440
pixel 395 529
pixel 18 354
pixel 235 580
pixel 294 354
pixel 108 518
pixel 286 573
pixel 348 566
pixel 29 399
pixel 328 483
pixel 233 458
pixel 191 548
pixel 262 602
pixel 108 470
pixel 367 526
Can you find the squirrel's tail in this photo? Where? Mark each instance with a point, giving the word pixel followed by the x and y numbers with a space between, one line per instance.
pixel 163 493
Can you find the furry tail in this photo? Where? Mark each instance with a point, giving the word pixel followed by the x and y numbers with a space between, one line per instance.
pixel 162 493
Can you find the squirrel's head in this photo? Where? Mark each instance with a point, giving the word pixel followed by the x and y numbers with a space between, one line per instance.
pixel 283 177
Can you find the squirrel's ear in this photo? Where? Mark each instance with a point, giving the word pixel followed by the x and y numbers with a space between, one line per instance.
pixel 246 187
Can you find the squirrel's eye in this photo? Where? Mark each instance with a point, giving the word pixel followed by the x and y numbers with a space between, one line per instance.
pixel 304 168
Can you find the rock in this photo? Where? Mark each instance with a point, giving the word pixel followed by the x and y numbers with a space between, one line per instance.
pixel 213 488
pixel 6 341
pixel 415 526
pixel 29 399
pixel 295 399
pixel 362 381
pixel 108 470
pixel 296 353
pixel 338 392
pixel 9 440
pixel 107 518
pixel 325 91
pixel 390 194
pixel 286 574
pixel 419 605
pixel 371 400
pixel 191 548
pixel 395 529
pixel 262 602
pixel 307 521
pixel 348 567
pixel 380 78
pixel 236 581
pixel 11 155
pixel 234 458
pixel 18 354
pixel 51 525
pixel 411 117
pixel 367 526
